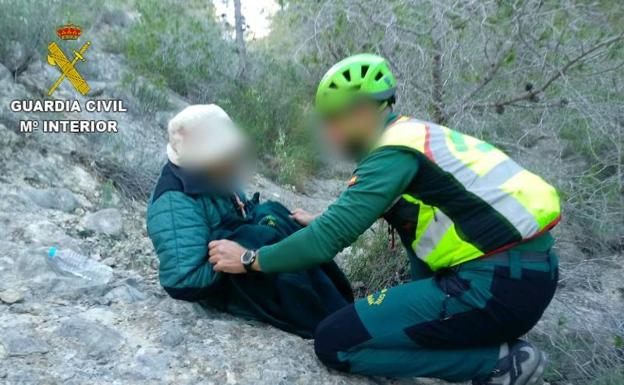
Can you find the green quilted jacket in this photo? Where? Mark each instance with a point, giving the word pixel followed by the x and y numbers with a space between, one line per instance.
pixel 185 214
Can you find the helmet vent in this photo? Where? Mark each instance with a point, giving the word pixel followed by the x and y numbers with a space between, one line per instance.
pixel 363 71
pixel 347 75
pixel 333 85
pixel 378 76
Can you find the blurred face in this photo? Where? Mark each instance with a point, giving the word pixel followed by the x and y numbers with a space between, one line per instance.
pixel 229 173
pixel 354 131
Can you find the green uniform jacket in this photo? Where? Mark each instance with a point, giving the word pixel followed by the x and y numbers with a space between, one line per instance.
pixel 379 179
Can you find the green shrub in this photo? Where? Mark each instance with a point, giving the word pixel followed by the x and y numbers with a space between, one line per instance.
pixel 271 105
pixel 179 44
pixel 151 97
pixel 372 265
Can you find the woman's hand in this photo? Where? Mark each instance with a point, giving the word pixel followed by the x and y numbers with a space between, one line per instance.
pixel 226 256
pixel 302 217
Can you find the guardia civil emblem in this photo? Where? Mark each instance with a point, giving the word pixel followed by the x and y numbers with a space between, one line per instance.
pixel 66 66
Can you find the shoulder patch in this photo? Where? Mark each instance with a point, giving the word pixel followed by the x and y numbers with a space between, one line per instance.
pixel 352 181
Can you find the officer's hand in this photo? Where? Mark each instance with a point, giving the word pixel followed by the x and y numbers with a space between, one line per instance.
pixel 302 217
pixel 226 256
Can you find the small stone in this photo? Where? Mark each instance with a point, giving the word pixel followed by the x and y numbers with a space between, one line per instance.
pixel 98 341
pixel 16 55
pixel 125 294
pixel 54 198
pixel 110 261
pixel 11 296
pixel 152 362
pixel 172 336
pixel 4 72
pixel 107 221
pixel 19 343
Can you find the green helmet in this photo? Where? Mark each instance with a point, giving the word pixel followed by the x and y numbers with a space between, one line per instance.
pixel 358 76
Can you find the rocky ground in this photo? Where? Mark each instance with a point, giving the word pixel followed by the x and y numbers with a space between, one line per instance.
pixel 60 330
pixel 57 330
pixel 56 190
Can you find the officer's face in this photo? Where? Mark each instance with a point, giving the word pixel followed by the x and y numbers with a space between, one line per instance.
pixel 354 131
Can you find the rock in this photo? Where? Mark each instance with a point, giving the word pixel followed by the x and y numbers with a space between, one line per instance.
pixel 110 261
pixel 125 294
pixel 4 72
pixel 16 56
pixel 11 296
pixel 97 341
pixel 172 336
pixel 7 137
pixel 115 17
pixel 54 198
pixel 22 343
pixel 107 221
pixel 45 233
pixel 152 362
pixel 97 88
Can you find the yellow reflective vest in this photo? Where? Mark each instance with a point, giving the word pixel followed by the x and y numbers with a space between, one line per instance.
pixel 478 184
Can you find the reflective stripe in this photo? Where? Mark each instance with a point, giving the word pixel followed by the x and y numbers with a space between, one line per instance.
pixel 489 188
pixel 545 209
pixel 522 198
pixel 433 234
pixel 451 251
pixel 486 187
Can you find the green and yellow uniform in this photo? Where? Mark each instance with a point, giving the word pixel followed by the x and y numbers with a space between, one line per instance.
pixel 475 225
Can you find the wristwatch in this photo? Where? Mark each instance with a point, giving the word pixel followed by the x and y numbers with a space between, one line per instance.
pixel 248 258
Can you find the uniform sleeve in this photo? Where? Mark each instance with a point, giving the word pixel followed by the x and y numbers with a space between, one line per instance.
pixel 180 235
pixel 378 181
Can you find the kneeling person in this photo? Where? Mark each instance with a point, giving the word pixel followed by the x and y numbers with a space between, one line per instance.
pixel 475 225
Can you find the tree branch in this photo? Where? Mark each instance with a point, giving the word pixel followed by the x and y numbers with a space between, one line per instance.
pixel 532 94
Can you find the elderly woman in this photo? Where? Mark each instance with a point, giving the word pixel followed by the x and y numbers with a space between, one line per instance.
pixel 197 199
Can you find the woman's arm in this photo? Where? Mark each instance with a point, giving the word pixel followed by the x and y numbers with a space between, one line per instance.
pixel 180 235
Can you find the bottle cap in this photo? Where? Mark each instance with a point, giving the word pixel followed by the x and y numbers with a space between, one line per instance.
pixel 52 252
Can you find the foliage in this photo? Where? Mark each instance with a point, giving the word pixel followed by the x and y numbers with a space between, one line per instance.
pixel 151 97
pixel 33 24
pixel 196 59
pixel 373 266
pixel 187 56
pixel 540 79
pixel 576 358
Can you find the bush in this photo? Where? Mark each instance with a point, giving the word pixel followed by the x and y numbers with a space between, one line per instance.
pixel 180 45
pixel 584 356
pixel 371 265
pixel 150 98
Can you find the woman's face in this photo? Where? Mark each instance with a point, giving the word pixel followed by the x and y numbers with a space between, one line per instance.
pixel 229 173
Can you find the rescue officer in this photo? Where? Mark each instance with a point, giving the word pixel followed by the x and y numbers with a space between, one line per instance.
pixel 475 225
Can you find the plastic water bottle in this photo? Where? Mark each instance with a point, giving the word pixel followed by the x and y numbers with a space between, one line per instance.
pixel 68 262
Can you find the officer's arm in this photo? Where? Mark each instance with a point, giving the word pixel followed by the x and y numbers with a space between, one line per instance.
pixel 380 179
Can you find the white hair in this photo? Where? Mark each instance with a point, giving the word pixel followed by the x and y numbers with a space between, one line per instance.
pixel 203 134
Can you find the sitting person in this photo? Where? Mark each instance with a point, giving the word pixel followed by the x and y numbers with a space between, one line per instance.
pixel 197 200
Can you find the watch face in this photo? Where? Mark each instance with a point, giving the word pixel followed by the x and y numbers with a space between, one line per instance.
pixel 246 258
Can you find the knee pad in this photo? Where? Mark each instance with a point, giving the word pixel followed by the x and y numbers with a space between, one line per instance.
pixel 340 332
